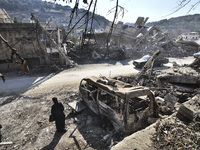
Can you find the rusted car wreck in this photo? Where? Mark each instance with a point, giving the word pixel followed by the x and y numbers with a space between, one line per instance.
pixel 128 107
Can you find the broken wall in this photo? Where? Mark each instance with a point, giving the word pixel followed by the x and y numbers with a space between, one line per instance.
pixel 26 39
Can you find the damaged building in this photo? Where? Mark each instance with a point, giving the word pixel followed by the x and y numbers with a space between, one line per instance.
pixel 132 42
pixel 130 103
pixel 33 42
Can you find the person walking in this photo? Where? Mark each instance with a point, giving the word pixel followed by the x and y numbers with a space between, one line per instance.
pixel 0 132
pixel 57 111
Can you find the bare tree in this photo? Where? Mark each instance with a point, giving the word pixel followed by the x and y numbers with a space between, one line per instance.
pixel 183 3
pixel 85 15
pixel 117 11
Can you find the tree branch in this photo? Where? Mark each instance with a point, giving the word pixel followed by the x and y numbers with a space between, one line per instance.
pixel 87 16
pixel 111 28
pixel 93 15
pixel 181 4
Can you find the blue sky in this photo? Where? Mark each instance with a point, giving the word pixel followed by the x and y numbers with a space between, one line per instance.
pixel 154 9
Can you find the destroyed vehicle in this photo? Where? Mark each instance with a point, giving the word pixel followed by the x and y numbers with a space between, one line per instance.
pixel 196 55
pixel 139 63
pixel 129 108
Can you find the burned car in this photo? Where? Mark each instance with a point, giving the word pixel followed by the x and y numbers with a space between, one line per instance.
pixel 139 63
pixel 122 103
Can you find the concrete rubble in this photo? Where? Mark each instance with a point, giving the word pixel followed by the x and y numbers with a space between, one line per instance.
pixel 178 100
pixel 169 93
pixel 174 87
pixel 131 42
pixel 169 133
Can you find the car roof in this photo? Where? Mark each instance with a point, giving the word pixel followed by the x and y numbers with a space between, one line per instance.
pixel 143 59
pixel 146 56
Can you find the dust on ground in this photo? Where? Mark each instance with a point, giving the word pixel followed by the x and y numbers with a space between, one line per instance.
pixel 26 103
pixel 25 117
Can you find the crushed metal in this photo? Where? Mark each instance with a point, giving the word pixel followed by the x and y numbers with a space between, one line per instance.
pixel 120 102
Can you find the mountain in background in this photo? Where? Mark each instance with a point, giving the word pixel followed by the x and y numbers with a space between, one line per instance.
pixel 188 22
pixel 21 10
pixel 129 24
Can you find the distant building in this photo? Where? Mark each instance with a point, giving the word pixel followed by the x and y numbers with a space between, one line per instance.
pixel 190 36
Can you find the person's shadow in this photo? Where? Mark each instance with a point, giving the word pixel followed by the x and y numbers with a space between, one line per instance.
pixel 54 142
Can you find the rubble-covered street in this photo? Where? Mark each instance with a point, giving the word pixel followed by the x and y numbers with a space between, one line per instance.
pixel 25 113
pixel 123 86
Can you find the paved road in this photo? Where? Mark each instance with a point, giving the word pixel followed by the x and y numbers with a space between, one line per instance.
pixel 74 75
pixel 66 77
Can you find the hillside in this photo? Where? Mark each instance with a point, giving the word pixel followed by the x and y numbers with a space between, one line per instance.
pixel 21 10
pixel 188 22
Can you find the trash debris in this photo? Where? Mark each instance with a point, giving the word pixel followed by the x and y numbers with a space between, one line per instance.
pixel 6 143
pixel 170 135
pixel 170 100
pixel 132 42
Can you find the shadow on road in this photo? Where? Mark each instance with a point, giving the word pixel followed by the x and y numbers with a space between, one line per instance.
pixel 54 142
pixel 14 87
pixel 75 140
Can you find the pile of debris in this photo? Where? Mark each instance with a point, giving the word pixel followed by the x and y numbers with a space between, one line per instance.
pixel 168 46
pixel 95 52
pixel 181 130
pixel 177 135
pixel 132 42
pixel 132 103
pixel 171 86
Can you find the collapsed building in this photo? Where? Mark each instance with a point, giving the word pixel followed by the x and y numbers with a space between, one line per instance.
pixel 39 45
pixel 132 42
pixel 172 88
pixel 42 44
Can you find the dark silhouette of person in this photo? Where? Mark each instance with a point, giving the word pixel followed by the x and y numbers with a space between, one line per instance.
pixel 0 132
pixel 58 114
